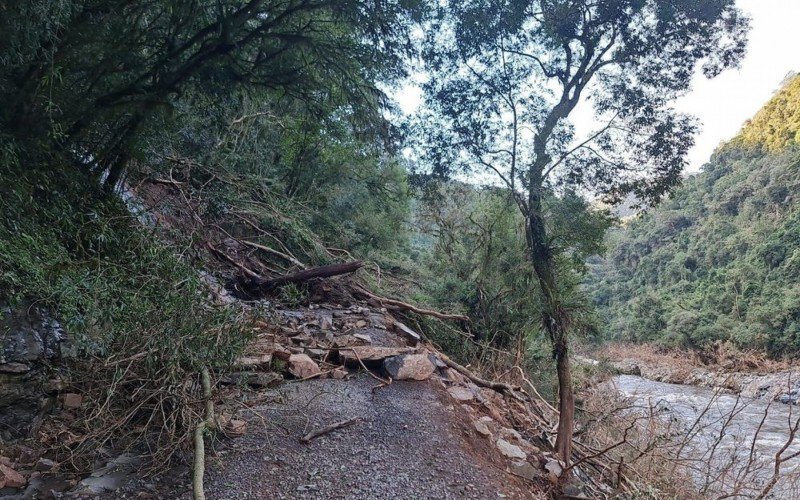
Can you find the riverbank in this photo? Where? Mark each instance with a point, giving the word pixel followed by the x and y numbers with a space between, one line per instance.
pixel 736 373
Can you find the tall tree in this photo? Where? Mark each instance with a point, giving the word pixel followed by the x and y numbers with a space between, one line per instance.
pixel 507 76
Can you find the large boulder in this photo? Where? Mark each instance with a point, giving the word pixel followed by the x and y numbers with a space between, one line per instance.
pixel 29 334
pixel 409 367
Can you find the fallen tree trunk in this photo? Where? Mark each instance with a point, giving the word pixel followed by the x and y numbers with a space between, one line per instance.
pixel 404 306
pixel 305 275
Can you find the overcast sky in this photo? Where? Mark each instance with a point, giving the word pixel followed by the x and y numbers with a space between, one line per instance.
pixel 724 103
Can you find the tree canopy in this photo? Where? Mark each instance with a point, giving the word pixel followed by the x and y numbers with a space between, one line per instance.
pixel 95 77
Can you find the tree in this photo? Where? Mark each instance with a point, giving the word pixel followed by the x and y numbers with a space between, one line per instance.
pixel 507 76
pixel 91 76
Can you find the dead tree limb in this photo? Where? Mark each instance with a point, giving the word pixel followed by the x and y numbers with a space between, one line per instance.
pixel 338 425
pixel 208 423
pixel 394 303
pixel 274 252
pixel 497 386
pixel 307 274
pixel 219 253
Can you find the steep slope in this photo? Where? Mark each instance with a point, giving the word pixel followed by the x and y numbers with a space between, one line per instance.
pixel 719 260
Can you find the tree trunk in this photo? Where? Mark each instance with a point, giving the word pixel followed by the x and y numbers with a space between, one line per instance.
pixel 566 404
pixel 556 321
pixel 119 154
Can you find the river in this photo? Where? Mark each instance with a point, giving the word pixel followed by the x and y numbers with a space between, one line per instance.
pixel 739 437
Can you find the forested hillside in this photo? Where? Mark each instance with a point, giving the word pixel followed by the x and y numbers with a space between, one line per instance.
pixel 720 259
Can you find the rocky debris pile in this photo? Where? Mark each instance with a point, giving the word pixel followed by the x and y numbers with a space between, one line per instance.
pixel 21 467
pixel 325 341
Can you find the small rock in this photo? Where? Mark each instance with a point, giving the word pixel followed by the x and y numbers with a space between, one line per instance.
pixel 361 323
pixel 339 373
pixel 627 367
pixel 254 362
pixel 461 393
pixel 523 469
pixel 9 478
pixel 326 321
pixel 361 336
pixel 46 465
pixel 410 335
pixel 510 434
pixel 72 400
pixel 236 427
pixel 438 362
pixel 55 384
pixel 27 455
pixel 256 380
pixel 554 469
pixel 108 478
pixel 301 366
pixel 14 368
pixel 409 367
pixel 573 490
pixel 511 451
pixel 482 428
pixel 281 353
pixel 317 353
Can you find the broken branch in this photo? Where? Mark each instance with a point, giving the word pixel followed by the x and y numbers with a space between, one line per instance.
pixel 338 425
pixel 219 253
pixel 409 307
pixel 497 386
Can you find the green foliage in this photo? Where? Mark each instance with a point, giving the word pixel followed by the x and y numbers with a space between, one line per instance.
pixel 305 178
pixel 471 256
pixel 113 285
pixel 718 261
pixel 777 125
pixel 99 77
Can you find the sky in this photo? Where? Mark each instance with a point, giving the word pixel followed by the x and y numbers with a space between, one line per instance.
pixel 724 103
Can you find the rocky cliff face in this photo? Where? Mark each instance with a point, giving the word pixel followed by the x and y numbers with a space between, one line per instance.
pixel 31 341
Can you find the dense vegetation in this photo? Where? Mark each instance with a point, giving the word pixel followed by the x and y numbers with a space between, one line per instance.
pixel 268 109
pixel 268 122
pixel 720 260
